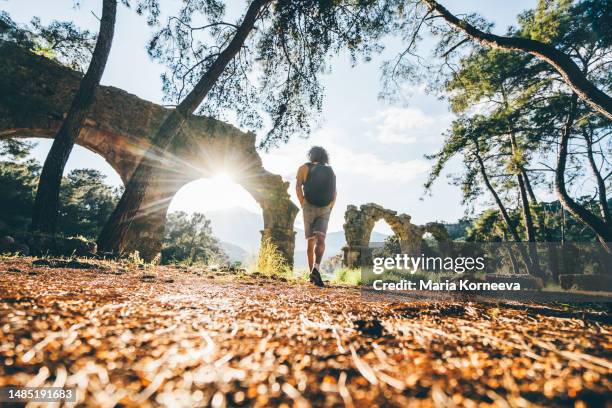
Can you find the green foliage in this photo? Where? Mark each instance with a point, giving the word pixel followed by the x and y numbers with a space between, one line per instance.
pixel 271 262
pixel 438 231
pixel 562 226
pixel 11 31
pixel 559 224
pixel 331 264
pixel 63 41
pixel 188 239
pixel 348 276
pixel 512 108
pixel 60 40
pixel 458 230
pixel 86 202
pixel 16 149
pixel 276 75
pixel 18 180
pixel 488 227
pixel 135 260
pixel 391 246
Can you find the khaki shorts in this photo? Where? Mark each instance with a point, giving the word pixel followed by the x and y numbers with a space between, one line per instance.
pixel 315 219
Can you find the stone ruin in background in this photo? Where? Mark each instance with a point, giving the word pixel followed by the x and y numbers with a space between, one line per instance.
pixel 36 93
pixel 358 225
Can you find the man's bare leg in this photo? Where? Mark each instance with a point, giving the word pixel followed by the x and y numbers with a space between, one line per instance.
pixel 319 248
pixel 310 252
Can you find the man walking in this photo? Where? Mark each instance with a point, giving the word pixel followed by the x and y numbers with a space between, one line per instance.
pixel 316 191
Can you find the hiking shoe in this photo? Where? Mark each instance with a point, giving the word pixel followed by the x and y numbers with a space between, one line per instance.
pixel 315 278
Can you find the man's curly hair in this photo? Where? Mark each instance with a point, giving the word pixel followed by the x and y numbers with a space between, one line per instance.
pixel 318 154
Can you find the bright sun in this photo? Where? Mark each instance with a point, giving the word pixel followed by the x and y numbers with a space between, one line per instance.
pixel 215 193
pixel 223 178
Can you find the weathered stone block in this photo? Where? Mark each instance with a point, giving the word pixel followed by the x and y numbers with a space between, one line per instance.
pixel 526 281
pixel 42 245
pixel 595 282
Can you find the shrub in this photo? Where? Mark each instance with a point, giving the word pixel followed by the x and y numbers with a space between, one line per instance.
pixel 271 262
pixel 347 276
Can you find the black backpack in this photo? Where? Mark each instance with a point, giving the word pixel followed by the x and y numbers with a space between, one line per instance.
pixel 320 184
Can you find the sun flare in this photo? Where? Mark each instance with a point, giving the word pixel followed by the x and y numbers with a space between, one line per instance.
pixel 211 194
pixel 223 177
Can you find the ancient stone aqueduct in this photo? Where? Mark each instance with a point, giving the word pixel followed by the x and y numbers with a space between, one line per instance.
pixel 36 93
pixel 358 226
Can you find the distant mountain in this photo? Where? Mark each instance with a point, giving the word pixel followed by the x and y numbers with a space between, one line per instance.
pixel 234 252
pixel 238 229
pixel 237 226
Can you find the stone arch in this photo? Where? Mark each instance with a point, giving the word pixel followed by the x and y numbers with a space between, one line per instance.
pixel 437 230
pixel 35 93
pixel 358 225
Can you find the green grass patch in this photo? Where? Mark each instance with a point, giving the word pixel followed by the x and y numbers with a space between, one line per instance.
pixel 271 262
pixel 347 276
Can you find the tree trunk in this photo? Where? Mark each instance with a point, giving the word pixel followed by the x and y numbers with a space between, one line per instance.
pixel 532 196
pixel 531 235
pixel 551 247
pixel 601 184
pixel 46 204
pixel 544 231
pixel 526 209
pixel 563 225
pixel 117 227
pixel 502 209
pixel 534 202
pixel 513 261
pixel 561 62
pixel 599 227
pixel 498 201
pixel 529 229
pixel 192 251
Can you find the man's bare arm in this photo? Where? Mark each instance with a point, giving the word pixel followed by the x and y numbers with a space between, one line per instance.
pixel 333 202
pixel 298 186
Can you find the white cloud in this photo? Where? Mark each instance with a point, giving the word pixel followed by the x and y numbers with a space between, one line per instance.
pixel 407 125
pixel 345 159
pixel 367 166
pixel 286 159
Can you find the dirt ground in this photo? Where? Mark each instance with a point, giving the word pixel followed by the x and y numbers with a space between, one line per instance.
pixel 188 337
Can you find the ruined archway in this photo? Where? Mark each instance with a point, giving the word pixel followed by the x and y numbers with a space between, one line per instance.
pixel 358 225
pixel 35 93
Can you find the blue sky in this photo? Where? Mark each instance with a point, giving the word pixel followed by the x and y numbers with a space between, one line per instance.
pixel 376 148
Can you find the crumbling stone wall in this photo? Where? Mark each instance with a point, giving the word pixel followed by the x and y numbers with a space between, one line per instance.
pixel 358 226
pixel 437 230
pixel 35 94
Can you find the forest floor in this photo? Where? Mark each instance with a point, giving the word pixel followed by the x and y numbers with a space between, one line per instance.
pixel 185 337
